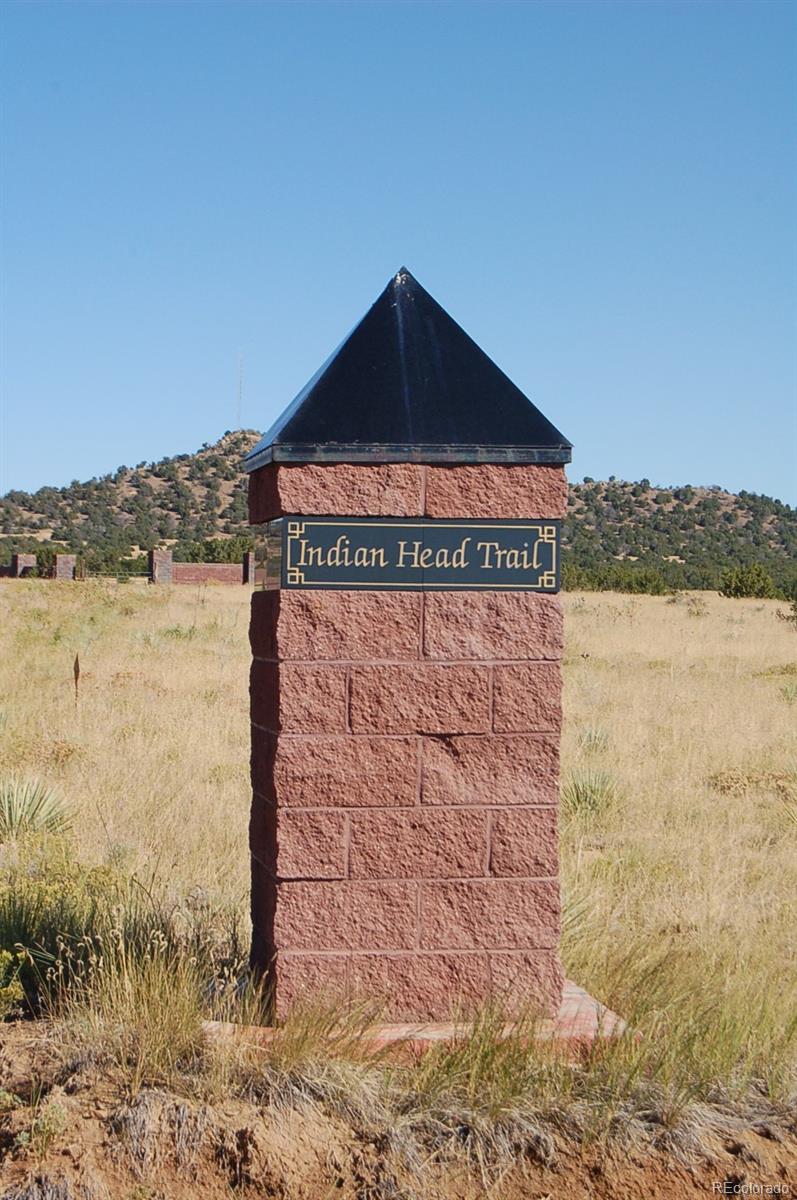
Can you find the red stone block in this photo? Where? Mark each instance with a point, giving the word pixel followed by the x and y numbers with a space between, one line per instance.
pixel 492 625
pixel 298 698
pixel 348 625
pixel 336 489
pixel 263 896
pixel 527 696
pixel 348 915
pixel 264 694
pixel 528 980
pixel 524 841
pixel 494 769
pixel 263 624
pixel 491 914
pixel 309 979
pixel 311 845
pixel 420 987
pixel 346 772
pixel 263 835
pixel 420 699
pixel 264 502
pixel 494 490
pixel 411 987
pixel 261 762
pixel 418 844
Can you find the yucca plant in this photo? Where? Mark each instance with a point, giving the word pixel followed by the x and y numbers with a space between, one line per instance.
pixel 30 806
pixel 588 792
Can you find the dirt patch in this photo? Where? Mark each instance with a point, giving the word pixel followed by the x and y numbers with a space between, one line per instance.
pixel 69 1134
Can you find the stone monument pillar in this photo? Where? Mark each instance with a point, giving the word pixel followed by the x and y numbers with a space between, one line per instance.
pixel 22 564
pixel 64 566
pixel 405 689
pixel 160 566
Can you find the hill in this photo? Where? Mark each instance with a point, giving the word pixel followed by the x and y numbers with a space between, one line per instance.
pixel 686 534
pixel 617 534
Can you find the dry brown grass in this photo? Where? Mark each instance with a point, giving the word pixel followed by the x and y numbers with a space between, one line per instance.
pixel 682 889
pixel 679 887
pixel 154 754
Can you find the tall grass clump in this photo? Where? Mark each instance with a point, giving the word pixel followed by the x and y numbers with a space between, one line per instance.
pixel 593 739
pixel 319 1054
pixel 29 806
pixel 482 1095
pixel 139 1007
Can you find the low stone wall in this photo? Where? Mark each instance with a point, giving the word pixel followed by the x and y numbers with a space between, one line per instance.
pixel 207 573
pixel 162 569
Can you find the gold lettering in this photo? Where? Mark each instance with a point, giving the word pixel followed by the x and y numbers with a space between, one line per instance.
pixel 338 556
pixel 487 547
pixel 495 556
pixel 458 558
pixel 412 555
pixel 373 556
pixel 309 556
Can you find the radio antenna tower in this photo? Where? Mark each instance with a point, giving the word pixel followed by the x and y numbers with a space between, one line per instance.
pixel 238 424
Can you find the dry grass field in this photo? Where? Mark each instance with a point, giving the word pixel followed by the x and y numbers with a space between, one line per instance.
pixel 679 844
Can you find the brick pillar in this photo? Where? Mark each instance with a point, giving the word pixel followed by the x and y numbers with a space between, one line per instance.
pixel 249 567
pixel 405 753
pixel 160 566
pixel 22 564
pixel 64 566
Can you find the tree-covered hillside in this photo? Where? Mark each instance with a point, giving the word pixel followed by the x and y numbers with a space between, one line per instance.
pixel 617 534
pixel 182 501
pixel 687 534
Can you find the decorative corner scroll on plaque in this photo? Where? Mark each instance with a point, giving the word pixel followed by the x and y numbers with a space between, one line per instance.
pixel 396 554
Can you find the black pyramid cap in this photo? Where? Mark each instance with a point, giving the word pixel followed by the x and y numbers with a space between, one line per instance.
pixel 409 385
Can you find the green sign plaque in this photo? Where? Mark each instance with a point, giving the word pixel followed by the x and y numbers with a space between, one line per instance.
pixel 401 555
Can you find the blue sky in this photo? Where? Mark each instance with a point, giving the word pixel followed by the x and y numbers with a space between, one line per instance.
pixel 602 194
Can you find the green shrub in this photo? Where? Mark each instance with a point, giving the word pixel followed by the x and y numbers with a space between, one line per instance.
pixel 11 993
pixel 790 616
pixel 56 912
pixel 614 577
pixel 30 806
pixel 749 581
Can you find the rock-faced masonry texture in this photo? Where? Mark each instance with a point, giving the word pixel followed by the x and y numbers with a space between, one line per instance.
pixel 405 754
